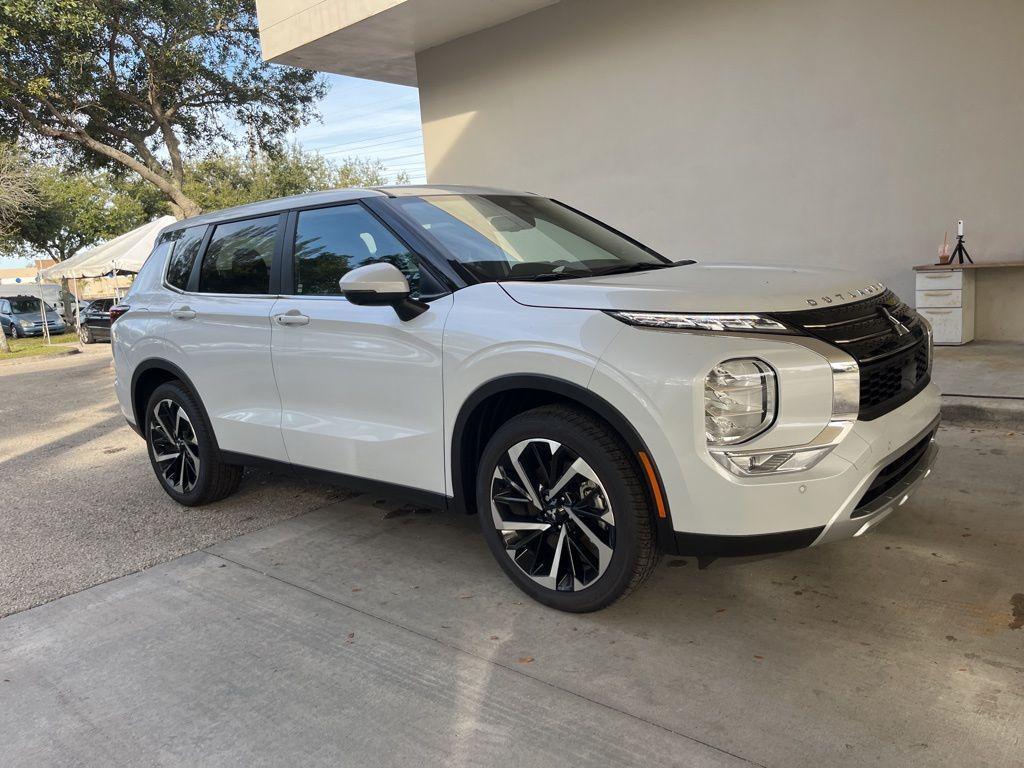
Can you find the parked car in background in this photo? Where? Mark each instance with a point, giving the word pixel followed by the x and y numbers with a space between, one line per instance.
pixel 96 321
pixel 595 403
pixel 20 316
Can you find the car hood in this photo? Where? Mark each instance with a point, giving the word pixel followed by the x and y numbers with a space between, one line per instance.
pixel 701 288
pixel 34 316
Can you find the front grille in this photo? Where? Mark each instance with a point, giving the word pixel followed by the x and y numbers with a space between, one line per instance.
pixel 893 366
pixel 893 472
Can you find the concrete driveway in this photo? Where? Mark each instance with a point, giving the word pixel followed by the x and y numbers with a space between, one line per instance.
pixel 365 634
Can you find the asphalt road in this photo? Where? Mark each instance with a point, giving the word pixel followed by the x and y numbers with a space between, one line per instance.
pixel 363 633
pixel 78 500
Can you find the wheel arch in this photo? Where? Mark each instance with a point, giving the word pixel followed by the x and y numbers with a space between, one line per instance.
pixel 150 374
pixel 498 400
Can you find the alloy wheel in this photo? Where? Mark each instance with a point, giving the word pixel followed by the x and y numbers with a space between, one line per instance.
pixel 172 439
pixel 553 514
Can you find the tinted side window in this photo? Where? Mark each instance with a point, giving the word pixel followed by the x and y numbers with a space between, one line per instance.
pixel 239 256
pixel 183 256
pixel 331 241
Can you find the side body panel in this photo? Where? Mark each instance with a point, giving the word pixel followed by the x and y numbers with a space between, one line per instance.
pixel 224 347
pixel 489 336
pixel 361 390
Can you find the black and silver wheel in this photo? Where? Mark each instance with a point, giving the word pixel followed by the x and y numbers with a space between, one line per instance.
pixel 564 510
pixel 15 333
pixel 182 450
pixel 85 334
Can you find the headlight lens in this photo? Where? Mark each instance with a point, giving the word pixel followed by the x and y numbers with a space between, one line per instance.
pixel 702 322
pixel 25 323
pixel 740 400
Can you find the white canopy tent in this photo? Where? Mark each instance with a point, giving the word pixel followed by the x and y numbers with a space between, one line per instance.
pixel 125 253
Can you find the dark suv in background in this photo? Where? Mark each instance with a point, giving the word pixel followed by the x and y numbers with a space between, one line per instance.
pixel 96 321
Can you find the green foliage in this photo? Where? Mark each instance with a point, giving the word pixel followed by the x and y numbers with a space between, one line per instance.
pixel 133 84
pixel 221 181
pixel 73 211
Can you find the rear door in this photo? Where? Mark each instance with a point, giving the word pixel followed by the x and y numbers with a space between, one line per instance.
pixel 360 389
pixel 219 325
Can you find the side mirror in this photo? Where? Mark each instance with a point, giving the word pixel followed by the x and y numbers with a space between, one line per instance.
pixel 381 284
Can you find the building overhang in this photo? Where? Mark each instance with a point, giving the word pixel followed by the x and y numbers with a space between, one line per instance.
pixel 374 39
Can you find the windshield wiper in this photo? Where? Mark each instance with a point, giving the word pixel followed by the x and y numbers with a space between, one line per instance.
pixel 643 266
pixel 556 275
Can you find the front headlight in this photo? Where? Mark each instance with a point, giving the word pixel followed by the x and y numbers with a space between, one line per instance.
pixel 25 323
pixel 702 322
pixel 740 400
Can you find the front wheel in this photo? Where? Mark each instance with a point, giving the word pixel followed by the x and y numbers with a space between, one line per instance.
pixel 85 335
pixel 564 510
pixel 182 449
pixel 15 333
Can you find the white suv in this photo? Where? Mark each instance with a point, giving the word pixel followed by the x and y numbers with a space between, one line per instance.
pixel 501 353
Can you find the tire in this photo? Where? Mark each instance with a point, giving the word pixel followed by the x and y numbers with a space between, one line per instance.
pixel 15 333
pixel 85 335
pixel 603 502
pixel 191 471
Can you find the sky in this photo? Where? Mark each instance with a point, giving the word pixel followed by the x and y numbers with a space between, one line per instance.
pixel 362 119
pixel 366 119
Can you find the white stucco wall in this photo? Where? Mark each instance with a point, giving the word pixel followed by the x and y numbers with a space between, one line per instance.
pixel 799 131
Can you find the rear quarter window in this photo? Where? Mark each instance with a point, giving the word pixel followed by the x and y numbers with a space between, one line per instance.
pixel 184 250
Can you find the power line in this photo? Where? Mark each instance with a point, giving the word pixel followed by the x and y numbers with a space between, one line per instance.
pixel 409 134
pixel 411 140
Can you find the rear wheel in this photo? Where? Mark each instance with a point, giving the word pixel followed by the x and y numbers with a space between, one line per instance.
pixel 182 450
pixel 564 511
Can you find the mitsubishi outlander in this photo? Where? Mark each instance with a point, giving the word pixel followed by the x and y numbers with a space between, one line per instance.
pixel 593 402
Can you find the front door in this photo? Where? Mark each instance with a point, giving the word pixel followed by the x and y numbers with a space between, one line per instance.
pixel 360 388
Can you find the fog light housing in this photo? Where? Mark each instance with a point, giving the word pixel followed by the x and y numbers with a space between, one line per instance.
pixel 740 400
pixel 770 461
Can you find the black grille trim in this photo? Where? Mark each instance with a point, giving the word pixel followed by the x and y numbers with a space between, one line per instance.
pixel 893 367
pixel 892 473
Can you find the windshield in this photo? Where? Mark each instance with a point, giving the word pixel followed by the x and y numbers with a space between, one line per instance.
pixel 20 306
pixel 505 237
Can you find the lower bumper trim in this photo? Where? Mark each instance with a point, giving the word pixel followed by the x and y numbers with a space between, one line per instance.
pixel 713 545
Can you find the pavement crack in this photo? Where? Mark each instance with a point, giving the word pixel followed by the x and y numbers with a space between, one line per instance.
pixel 460 649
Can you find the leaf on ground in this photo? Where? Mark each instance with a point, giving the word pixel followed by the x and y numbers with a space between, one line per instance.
pixel 526 659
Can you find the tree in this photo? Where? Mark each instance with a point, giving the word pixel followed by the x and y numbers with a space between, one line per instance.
pixel 131 84
pixel 74 211
pixel 18 187
pixel 221 181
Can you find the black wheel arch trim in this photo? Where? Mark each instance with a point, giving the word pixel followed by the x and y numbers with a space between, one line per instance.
pixel 159 363
pixel 585 397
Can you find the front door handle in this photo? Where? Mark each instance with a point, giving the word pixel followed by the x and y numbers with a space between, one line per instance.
pixel 292 317
pixel 183 313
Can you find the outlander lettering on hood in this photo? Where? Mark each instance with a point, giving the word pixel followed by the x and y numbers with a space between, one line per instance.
pixel 860 293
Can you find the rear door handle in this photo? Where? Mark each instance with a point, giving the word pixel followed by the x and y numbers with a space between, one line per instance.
pixel 183 313
pixel 292 317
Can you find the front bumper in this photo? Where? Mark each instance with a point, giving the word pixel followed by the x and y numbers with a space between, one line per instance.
pixel 38 330
pixel 859 518
pixel 871 473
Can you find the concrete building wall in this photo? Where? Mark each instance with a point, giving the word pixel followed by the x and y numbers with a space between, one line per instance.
pixel 799 131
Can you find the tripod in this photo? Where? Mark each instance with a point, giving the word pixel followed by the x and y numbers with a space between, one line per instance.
pixel 960 252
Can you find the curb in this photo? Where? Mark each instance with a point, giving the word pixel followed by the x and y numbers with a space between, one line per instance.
pixel 37 358
pixel 985 412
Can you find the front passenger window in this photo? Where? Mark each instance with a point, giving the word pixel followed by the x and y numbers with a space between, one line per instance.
pixel 331 241
pixel 239 256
